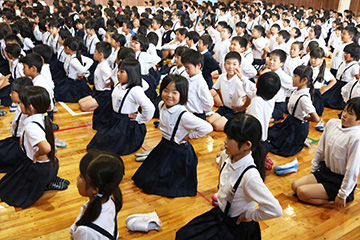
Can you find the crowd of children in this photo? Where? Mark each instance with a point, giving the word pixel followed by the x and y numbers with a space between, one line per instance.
pixel 268 60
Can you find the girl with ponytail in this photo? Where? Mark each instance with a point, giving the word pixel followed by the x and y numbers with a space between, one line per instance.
pixel 100 175
pixel 26 183
pixel 74 86
pixel 287 138
pixel 241 187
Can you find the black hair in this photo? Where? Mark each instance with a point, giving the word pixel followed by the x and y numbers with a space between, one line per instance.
pixel 352 31
pixel 276 26
pixel 241 40
pixel 33 59
pixel 144 42
pixel 75 44
pixel 133 70
pixel 229 29
pixel 268 84
pixel 207 40
pixel 241 24
pixel 306 72
pixel 182 31
pixel 153 38
pixel 285 34
pixel 193 57
pixel 354 50
pixel 45 51
pixel 158 20
pixel 206 23
pixel 353 105
pixel 181 85
pixel 14 49
pixel 193 35
pixel 125 53
pixel 168 23
pixel 243 128
pixel 12 38
pixel 39 99
pixel 54 23
pixel 297 32
pixel 64 34
pixel 104 48
pixel 180 50
pixel 103 170
pixel 19 83
pixel 233 55
pixel 186 21
pixel 120 38
pixel 317 31
pixel 260 29
pixel 222 24
pixel 5 30
pixel 319 53
pixel 280 53
pixel 312 45
pixel 91 24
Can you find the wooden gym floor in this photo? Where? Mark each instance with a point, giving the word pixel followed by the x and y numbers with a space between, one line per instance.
pixel 52 215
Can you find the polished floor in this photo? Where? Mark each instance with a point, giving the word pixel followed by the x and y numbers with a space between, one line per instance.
pixel 52 215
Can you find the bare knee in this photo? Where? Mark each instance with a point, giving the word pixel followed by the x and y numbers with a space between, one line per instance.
pixel 218 126
pixel 302 193
pixel 294 185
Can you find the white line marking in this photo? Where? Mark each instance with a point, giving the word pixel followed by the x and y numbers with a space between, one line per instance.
pixel 71 111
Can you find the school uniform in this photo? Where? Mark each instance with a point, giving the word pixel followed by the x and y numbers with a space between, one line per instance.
pixel 240 189
pixel 346 72
pixel 214 34
pixel 176 24
pixel 280 97
pixel 54 43
pixel 232 94
pixel 200 100
pixel 337 57
pixel 90 44
pixel 16 69
pixel 106 221
pixel 180 71
pixel 152 49
pixel 4 63
pixel 221 49
pixel 321 42
pixel 318 100
pixel 124 136
pixel 46 83
pixel 28 45
pixel 46 38
pixel 287 138
pixel 167 36
pixel 37 34
pixel 259 44
pixel 112 58
pixel 80 33
pixel 334 41
pixel 210 65
pixel 57 66
pixel 336 161
pixel 305 58
pixel 291 63
pixel 350 90
pixel 102 114
pixel 283 46
pixel 248 54
pixel 10 150
pixel 170 169
pixel 69 89
pixel 23 185
pixel 273 42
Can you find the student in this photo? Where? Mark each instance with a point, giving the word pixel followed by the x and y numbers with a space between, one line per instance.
pixel 200 100
pixel 10 150
pixel 79 25
pixel 13 51
pixel 335 39
pixel 348 35
pixel 74 86
pixel 128 126
pixel 321 76
pixel 101 102
pixel 210 64
pixel 179 67
pixel 315 35
pixel 46 54
pixel 260 47
pixel 221 48
pixel 240 28
pixel 117 41
pixel 335 165
pixel 272 35
pixel 294 59
pixel 26 35
pixel 99 179
pixel 192 39
pixel 54 29
pixel 241 187
pixel 231 92
pixel 23 185
pixel 281 40
pixel 347 71
pixel 168 34
pixel 287 138
pixel 170 168
pixel 90 39
pixel 33 64
pixel 156 25
pixel 57 66
pixel 276 61
pixel 351 89
pixel 180 40
pixel 306 56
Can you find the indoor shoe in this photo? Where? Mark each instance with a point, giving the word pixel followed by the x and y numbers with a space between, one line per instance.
pixel 214 200
pixel 307 143
pixel 292 164
pixel 288 170
pixel 61 180
pixel 141 154
pixel 55 110
pixel 156 124
pixel 140 159
pixel 55 126
pixel 320 126
pixel 13 107
pixel 2 112
pixel 60 143
pixel 268 163
pixel 209 113
pixel 143 222
pixel 56 186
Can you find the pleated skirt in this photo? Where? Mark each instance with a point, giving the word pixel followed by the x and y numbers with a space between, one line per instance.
pixel 69 90
pixel 332 98
pixel 10 154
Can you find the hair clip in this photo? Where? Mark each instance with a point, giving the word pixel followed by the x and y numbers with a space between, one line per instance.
pixel 45 114
pixel 99 195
